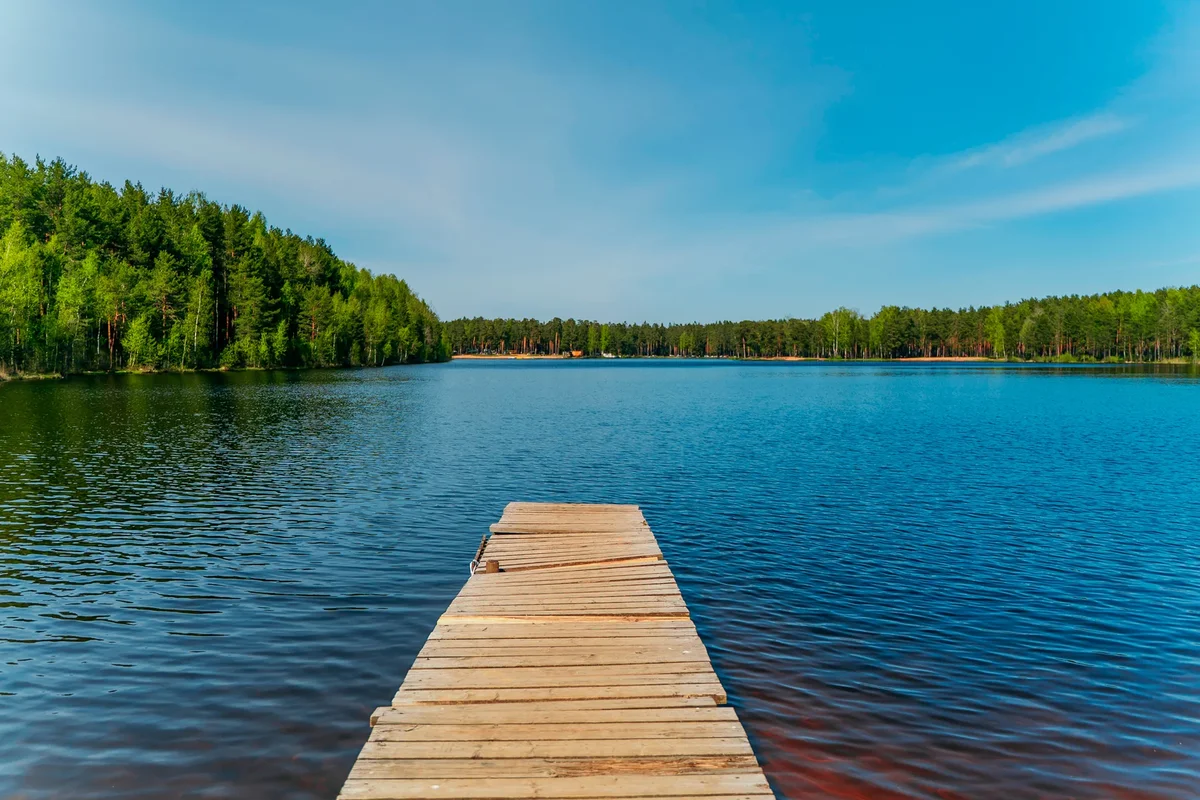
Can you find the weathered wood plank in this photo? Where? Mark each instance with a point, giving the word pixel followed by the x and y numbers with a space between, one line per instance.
pixel 453 630
pixel 563 706
pixel 400 767
pixel 559 748
pixel 568 561
pixel 524 732
pixel 518 646
pixel 648 607
pixel 529 713
pixel 585 786
pixel 616 659
pixel 551 677
pixel 524 694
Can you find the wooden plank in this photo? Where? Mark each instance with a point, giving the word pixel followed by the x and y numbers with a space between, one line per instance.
pixel 540 542
pixel 547 629
pixel 524 694
pixel 400 767
pixel 586 786
pixel 672 641
pixel 558 656
pixel 518 593
pixel 602 575
pixel 622 585
pixel 564 706
pixel 565 528
pixel 524 618
pixel 565 561
pixel 564 557
pixel 566 589
pixel 568 605
pixel 598 675
pixel 454 629
pixel 580 508
pixel 561 535
pixel 563 608
pixel 595 574
pixel 559 748
pixel 519 550
pixel 543 731
pixel 532 713
pixel 625 658
pixel 514 599
pixel 551 679
pixel 572 673
pixel 544 594
pixel 620 553
pixel 527 675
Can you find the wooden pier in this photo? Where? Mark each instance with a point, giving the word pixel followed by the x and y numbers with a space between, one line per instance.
pixel 567 667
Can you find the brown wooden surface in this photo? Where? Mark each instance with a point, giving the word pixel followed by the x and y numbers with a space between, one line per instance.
pixel 572 672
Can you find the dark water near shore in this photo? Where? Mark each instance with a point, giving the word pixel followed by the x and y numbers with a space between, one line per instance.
pixel 916 581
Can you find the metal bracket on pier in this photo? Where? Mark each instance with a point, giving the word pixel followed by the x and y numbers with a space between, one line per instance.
pixel 475 561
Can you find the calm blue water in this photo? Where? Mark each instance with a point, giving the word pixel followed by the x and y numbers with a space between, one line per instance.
pixel 916 581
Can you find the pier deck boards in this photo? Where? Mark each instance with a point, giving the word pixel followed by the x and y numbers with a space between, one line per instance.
pixel 574 672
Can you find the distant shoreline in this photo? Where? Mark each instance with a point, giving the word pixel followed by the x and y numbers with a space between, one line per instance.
pixel 547 357
pixel 14 377
pixel 905 359
pixel 513 356
pixel 880 360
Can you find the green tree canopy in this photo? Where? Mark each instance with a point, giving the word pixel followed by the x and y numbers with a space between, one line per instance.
pixel 96 278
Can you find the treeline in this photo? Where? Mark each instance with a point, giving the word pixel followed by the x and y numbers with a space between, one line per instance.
pixel 96 278
pixel 1125 326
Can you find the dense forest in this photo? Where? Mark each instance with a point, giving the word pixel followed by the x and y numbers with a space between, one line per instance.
pixel 1124 326
pixel 96 278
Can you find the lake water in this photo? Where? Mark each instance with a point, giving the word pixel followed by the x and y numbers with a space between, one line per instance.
pixel 915 580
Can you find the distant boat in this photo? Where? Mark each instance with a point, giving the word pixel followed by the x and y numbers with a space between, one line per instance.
pixel 607 355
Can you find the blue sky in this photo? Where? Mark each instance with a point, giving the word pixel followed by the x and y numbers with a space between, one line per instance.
pixel 672 161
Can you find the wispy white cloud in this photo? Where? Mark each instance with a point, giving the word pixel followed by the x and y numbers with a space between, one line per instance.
pixel 917 220
pixel 1090 191
pixel 1043 141
pixel 260 147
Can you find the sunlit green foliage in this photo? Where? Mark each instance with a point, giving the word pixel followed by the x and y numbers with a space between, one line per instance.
pixel 96 278
pixel 1125 326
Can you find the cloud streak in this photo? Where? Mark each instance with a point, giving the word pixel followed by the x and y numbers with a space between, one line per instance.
pixel 1032 145
pixel 872 229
